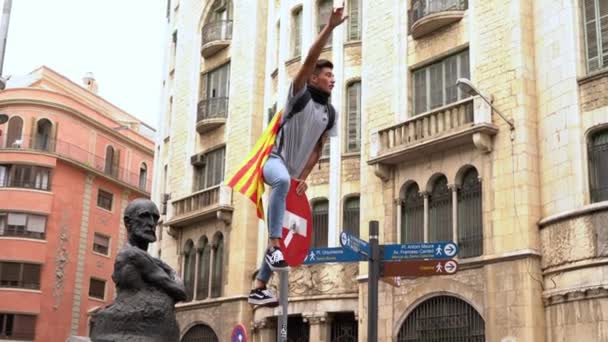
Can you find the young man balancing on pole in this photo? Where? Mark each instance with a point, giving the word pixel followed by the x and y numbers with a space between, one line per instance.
pixel 308 121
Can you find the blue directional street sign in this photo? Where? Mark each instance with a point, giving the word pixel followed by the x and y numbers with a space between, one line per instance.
pixel 354 243
pixel 332 254
pixel 412 251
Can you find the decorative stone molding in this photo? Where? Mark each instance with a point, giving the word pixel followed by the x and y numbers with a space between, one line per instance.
pixel 572 295
pixel 315 318
pixel 323 279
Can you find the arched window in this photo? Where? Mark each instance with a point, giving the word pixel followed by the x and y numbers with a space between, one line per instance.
pixel 470 224
pixel 442 319
pixel 189 268
pixel 353 117
pixel 324 9
pixel 143 176
pixel 15 132
pixel 218 25
pixel 109 165
pixel 440 211
pixel 204 264
pixel 412 215
pixel 43 135
pixel 598 166
pixel 351 216
pixel 319 223
pixel 218 266
pixel 200 333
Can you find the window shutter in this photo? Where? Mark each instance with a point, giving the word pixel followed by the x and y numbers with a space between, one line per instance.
pixel 115 163
pixel 16 219
pixel 297 33
pixel 354 20
pixel 420 103
pixel 436 74
pixel 31 276
pixel 10 273
pixel 109 159
pixel 353 118
pixel 36 223
pixel 451 75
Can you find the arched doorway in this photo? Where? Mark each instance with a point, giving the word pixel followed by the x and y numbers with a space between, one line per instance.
pixel 443 319
pixel 43 135
pixel 200 333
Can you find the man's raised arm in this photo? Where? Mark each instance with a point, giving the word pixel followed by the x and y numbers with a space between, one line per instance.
pixel 335 19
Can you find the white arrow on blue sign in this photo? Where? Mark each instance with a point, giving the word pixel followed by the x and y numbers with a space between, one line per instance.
pixel 332 254
pixel 413 251
pixel 354 243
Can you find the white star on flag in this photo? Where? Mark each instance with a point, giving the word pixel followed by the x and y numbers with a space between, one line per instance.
pixel 296 225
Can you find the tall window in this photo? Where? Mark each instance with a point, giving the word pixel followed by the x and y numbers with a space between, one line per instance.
pixel 351 216
pixel 112 160
pixel 211 172
pixel 204 255
pixel 25 176
pixel 277 46
pixel 323 13
pixel 17 326
pixel 44 128
pixel 412 215
pixel 143 176
pixel 14 138
pixel 353 118
pixel 218 266
pixel 101 244
pixel 596 33
pixel 470 225
pixel 215 90
pixel 189 269
pixel 104 199
pixel 19 275
pixel 598 166
pixel 22 225
pixel 320 224
pixel 435 84
pixel 440 211
pixel 296 49
pixel 354 20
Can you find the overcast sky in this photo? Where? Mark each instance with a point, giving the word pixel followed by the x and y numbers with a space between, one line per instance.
pixel 120 41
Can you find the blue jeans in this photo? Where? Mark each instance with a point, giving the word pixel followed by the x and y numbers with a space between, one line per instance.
pixel 276 175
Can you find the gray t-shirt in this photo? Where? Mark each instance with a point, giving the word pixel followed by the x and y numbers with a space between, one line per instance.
pixel 302 132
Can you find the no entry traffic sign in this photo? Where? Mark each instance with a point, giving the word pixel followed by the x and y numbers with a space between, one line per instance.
pixel 418 268
pixel 297 227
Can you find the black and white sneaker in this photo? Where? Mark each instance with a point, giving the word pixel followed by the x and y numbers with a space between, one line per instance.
pixel 275 260
pixel 262 297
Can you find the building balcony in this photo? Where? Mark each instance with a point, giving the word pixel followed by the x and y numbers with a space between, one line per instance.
pixel 73 153
pixel 426 16
pixel 211 114
pixel 216 36
pixel 207 204
pixel 464 122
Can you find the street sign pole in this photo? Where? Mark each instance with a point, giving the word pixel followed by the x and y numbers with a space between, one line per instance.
pixel 372 285
pixel 283 294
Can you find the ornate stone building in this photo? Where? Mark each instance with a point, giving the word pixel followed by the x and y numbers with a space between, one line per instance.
pixel 428 159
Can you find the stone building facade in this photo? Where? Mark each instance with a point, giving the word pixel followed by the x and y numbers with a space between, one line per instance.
pixel 519 184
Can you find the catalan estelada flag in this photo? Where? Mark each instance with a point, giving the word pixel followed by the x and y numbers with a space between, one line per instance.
pixel 248 178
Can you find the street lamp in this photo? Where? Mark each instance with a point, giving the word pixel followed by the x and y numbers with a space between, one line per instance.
pixel 467 87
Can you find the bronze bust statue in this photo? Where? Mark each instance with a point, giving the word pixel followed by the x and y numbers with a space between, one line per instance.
pixel 147 288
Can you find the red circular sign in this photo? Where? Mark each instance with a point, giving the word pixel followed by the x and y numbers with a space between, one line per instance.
pixel 238 334
pixel 297 227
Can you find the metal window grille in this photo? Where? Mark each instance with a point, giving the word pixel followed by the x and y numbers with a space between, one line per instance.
pixel 319 224
pixel 598 167
pixel 440 211
pixel 470 220
pixel 200 333
pixel 344 328
pixel 351 216
pixel 412 215
pixel 443 319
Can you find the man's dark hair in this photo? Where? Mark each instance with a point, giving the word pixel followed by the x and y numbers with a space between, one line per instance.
pixel 322 63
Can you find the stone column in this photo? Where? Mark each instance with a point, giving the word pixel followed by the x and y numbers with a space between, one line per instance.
pixel 425 194
pixel 320 328
pixel 265 330
pixel 454 189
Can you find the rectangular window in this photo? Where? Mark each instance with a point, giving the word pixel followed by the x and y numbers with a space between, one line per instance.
pixel 595 14
pixel 435 84
pixel 104 199
pixel 354 20
pixel 25 176
pixel 101 244
pixel 97 288
pixel 19 275
pixel 211 173
pixel 297 33
pixel 320 224
pixel 17 326
pixel 353 118
pixel 323 14
pixel 22 225
pixel 215 86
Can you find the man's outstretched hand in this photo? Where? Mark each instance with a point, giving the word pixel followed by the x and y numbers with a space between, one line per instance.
pixel 337 17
